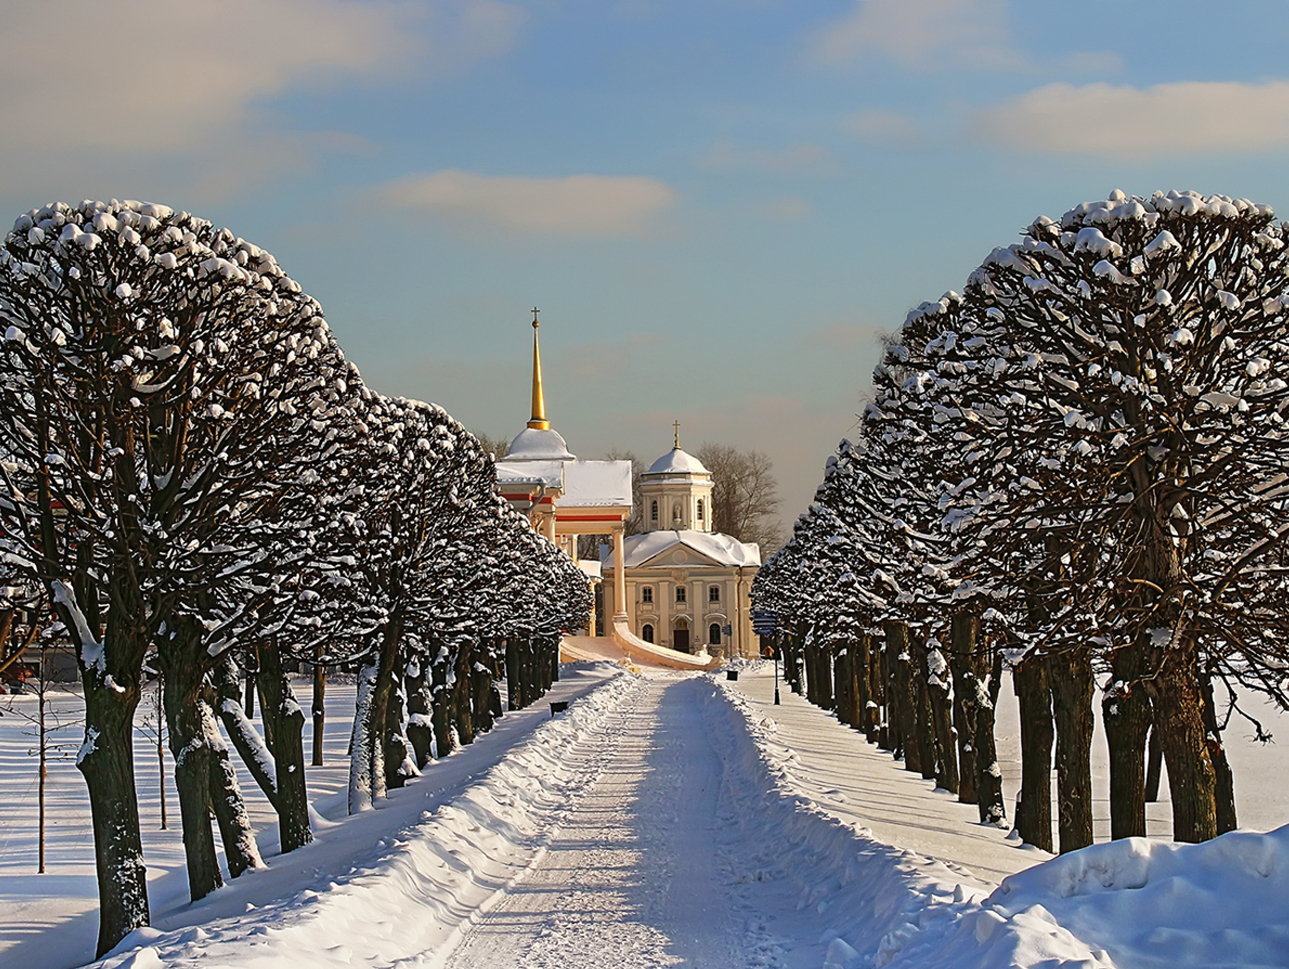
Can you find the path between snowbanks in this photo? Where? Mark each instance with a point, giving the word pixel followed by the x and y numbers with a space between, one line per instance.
pixel 413 895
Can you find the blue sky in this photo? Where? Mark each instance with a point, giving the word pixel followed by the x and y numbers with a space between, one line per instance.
pixel 719 205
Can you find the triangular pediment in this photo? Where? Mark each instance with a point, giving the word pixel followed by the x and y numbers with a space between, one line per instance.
pixel 678 555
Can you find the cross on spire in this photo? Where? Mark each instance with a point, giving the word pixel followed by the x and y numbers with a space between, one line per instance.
pixel 676 425
pixel 535 312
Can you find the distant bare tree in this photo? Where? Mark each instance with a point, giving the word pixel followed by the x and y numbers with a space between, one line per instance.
pixel 498 447
pixel 745 495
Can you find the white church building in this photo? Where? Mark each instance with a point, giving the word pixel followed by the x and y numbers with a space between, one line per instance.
pixel 686 586
pixel 678 586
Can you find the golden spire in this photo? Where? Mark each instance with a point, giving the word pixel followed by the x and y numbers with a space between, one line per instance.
pixel 676 425
pixel 538 421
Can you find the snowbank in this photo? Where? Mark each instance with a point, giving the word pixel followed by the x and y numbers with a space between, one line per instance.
pixel 411 894
pixel 1131 904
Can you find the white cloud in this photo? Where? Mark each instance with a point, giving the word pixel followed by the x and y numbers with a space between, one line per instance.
pixel 888 129
pixel 1137 124
pixel 577 205
pixel 924 34
pixel 154 86
pixel 795 158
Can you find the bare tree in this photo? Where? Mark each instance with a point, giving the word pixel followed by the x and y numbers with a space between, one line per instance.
pixel 745 495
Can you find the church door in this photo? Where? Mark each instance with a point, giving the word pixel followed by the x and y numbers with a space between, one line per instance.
pixel 680 639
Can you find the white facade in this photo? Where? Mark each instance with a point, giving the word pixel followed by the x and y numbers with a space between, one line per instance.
pixel 685 584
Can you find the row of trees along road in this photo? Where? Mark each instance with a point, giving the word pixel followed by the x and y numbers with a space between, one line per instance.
pixel 1074 469
pixel 196 477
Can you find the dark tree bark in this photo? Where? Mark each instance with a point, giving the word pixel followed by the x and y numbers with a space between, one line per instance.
pixel 989 776
pixel 227 804
pixel 319 709
pixel 279 708
pixel 963 664
pixel 1154 762
pixel 867 684
pixel 441 699
pixel 922 706
pixel 462 705
pixel 1072 687
pixel 512 674
pixel 190 747
pixel 1125 715
pixel 419 709
pixel 897 639
pixel 1037 733
pixel 1224 780
pixel 1179 716
pixel 892 739
pixel 107 764
pixel 480 693
pixel 248 743
pixel 946 753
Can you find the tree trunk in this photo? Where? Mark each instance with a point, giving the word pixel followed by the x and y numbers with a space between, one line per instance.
pixel 462 705
pixel 792 663
pixel 361 795
pixel 1125 716
pixel 865 682
pixel 480 691
pixel 441 699
pixel 897 639
pixel 1192 779
pixel 963 665
pixel 319 708
pixel 512 674
pixel 1154 761
pixel 1037 732
pixel 922 705
pixel 989 776
pixel 107 763
pixel 226 801
pixel 1224 780
pixel 190 746
pixel 946 754
pixel 286 738
pixel 419 706
pixel 248 743
pixel 1072 688
pixel 890 737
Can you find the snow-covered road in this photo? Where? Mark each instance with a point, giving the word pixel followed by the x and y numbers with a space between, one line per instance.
pixel 644 870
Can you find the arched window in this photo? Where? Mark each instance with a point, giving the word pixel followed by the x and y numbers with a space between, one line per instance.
pixel 700 509
pixel 646 593
pixel 646 632
pixel 653 511
pixel 714 634
pixel 713 593
pixel 680 593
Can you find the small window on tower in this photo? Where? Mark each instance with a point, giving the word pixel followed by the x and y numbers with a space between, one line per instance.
pixel 700 509
pixel 646 594
pixel 713 593
pixel 680 593
pixel 653 511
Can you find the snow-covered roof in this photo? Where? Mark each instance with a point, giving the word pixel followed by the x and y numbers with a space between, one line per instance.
pixel 639 550
pixel 677 461
pixel 533 444
pixel 595 484
pixel 548 474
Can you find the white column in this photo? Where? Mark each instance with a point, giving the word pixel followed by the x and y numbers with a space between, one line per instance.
pixel 619 573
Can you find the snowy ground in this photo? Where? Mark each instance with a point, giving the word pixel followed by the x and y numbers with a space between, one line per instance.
pixel 664 820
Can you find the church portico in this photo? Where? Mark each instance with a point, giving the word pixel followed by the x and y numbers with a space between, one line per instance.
pixel 564 497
